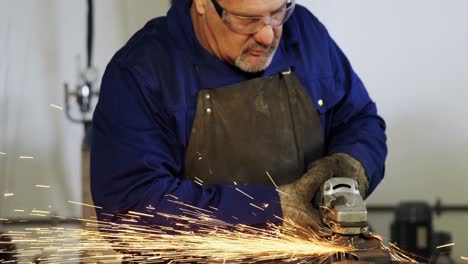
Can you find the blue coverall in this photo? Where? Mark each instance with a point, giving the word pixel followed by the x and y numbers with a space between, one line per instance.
pixel 143 120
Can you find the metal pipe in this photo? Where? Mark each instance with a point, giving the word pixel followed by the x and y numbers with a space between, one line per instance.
pixel 438 208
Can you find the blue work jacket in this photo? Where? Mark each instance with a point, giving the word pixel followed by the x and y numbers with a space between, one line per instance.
pixel 143 121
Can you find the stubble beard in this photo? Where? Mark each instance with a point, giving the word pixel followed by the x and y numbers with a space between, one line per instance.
pixel 243 62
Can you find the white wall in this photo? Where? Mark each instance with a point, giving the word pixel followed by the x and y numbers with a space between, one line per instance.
pixel 39 43
pixel 411 55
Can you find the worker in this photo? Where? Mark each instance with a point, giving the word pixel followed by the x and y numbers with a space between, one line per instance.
pixel 242 108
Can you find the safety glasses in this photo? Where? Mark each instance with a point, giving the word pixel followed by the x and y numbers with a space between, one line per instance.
pixel 252 24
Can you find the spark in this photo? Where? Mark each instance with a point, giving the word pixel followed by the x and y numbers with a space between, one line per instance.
pixel 446 245
pixel 198 179
pixel 213 242
pixel 327 209
pixel 199 183
pixel 210 244
pixel 278 190
pixel 172 196
pixel 256 206
pixel 397 253
pixel 195 236
pixel 40 212
pixel 25 157
pixel 3 219
pixel 34 214
pixel 2 153
pixel 19 210
pixel 464 258
pixel 189 206
pixel 237 189
pixel 269 176
pixel 88 205
pixel 140 214
pixel 56 106
pixel 274 183
pixel 42 186
pixel 8 194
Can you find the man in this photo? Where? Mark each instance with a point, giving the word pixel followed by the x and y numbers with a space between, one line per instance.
pixel 220 101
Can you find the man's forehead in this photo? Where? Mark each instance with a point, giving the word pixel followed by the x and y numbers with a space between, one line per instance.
pixel 251 7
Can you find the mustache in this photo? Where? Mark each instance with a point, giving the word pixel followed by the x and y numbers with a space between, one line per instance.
pixel 259 46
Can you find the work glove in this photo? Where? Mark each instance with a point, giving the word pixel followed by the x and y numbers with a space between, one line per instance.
pixel 296 197
pixel 343 165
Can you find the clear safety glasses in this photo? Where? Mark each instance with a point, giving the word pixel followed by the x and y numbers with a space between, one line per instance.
pixel 252 24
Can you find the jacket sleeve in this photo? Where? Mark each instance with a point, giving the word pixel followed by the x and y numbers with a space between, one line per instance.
pixel 355 126
pixel 136 164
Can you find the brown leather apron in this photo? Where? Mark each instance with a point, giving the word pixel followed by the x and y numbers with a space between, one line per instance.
pixel 242 131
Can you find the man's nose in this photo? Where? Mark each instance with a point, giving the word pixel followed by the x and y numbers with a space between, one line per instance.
pixel 265 35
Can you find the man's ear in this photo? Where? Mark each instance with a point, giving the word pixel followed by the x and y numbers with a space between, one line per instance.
pixel 200 6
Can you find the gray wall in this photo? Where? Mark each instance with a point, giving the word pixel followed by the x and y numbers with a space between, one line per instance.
pixel 39 43
pixel 411 55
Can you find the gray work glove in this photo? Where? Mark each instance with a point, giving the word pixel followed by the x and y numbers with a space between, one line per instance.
pixel 343 165
pixel 296 197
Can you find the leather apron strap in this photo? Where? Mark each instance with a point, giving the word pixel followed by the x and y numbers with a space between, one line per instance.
pixel 242 131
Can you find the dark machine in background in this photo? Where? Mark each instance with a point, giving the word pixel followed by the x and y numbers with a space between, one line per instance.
pixel 412 228
pixel 412 231
pixel 442 255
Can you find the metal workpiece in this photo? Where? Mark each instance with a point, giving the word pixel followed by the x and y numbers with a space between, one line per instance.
pixel 370 262
pixel 367 262
pixel 369 251
pixel 368 256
